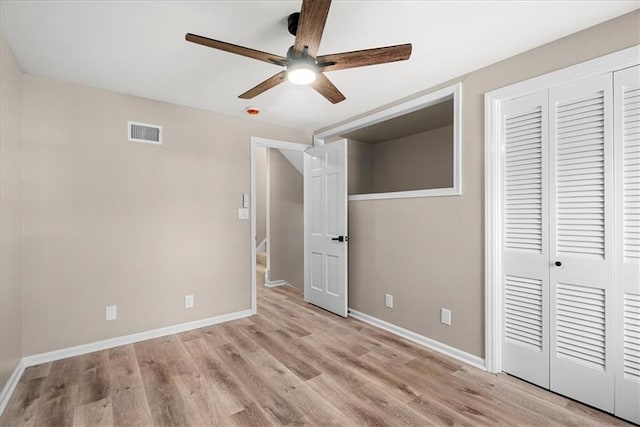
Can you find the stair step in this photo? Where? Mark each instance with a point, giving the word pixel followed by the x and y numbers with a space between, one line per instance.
pixel 261 257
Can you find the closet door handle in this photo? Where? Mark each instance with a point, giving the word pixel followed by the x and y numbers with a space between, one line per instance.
pixel 558 264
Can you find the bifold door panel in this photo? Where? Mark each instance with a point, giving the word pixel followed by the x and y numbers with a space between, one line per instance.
pixel 627 242
pixel 581 240
pixel 526 258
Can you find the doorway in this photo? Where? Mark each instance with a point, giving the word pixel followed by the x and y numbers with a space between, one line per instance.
pixel 276 215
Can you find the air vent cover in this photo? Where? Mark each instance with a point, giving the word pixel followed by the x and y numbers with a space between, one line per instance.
pixel 144 132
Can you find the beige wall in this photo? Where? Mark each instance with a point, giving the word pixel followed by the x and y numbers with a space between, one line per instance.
pixel 261 194
pixel 107 221
pixel 286 221
pixel 428 252
pixel 359 167
pixel 10 213
pixel 415 162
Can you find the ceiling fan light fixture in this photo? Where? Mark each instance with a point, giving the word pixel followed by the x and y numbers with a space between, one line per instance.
pixel 302 73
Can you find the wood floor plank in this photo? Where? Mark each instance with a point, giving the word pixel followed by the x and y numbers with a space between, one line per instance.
pixel 239 336
pixel 267 396
pixel 128 399
pixel 525 399
pixel 94 413
pixel 296 391
pixel 291 364
pixel 298 365
pixel 58 401
pixel 37 371
pixel 284 322
pixel 227 395
pixel 365 404
pixel 378 377
pixel 165 401
pixel 24 403
pixel 252 415
pixel 94 383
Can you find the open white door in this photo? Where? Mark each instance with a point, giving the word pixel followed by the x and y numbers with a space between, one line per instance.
pixel 325 227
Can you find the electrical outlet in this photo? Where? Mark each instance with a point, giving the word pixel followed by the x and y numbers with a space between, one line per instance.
pixel 243 213
pixel 111 312
pixel 188 301
pixel 445 316
pixel 388 301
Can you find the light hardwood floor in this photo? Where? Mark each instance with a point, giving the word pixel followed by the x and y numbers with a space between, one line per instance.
pixel 291 364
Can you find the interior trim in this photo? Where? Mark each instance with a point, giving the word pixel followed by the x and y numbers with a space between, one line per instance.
pixel 276 283
pixel 462 356
pixel 10 386
pixel 78 350
pixel 450 92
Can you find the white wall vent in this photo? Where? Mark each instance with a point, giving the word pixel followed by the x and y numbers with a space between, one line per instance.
pixel 144 132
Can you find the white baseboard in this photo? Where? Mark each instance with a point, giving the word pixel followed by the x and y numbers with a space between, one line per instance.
pixel 78 350
pixel 11 384
pixel 274 283
pixel 457 354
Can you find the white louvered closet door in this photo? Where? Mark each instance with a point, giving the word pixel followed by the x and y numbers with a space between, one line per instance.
pixel 525 340
pixel 581 241
pixel 627 242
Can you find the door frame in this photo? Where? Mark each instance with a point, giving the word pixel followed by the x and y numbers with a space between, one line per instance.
pixel 267 143
pixel 493 179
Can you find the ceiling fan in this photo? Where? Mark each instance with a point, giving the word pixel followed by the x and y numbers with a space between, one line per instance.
pixel 302 65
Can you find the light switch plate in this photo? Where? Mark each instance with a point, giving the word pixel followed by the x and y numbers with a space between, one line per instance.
pixel 245 200
pixel 111 312
pixel 243 213
pixel 445 316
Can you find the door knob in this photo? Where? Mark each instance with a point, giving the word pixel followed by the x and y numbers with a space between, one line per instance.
pixel 341 238
pixel 558 264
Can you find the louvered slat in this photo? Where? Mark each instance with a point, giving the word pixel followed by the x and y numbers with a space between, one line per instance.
pixel 631 346
pixel 631 174
pixel 580 176
pixel 523 311
pixel 580 325
pixel 523 181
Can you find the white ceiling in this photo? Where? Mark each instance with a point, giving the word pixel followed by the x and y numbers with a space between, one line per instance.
pixel 138 47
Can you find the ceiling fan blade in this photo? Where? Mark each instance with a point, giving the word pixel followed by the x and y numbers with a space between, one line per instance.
pixel 327 89
pixel 313 17
pixel 238 50
pixel 272 81
pixel 361 58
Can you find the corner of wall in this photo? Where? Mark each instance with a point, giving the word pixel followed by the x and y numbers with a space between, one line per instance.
pixel 11 235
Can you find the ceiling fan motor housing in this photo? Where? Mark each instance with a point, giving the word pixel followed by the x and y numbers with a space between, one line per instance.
pixel 292 23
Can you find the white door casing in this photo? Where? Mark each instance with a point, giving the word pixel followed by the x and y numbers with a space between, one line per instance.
pixel 525 338
pixel 626 100
pixel 325 220
pixel 581 240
